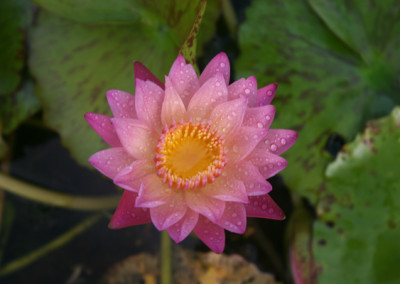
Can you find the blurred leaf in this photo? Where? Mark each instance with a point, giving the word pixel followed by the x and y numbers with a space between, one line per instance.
pixel 356 239
pixel 337 64
pixel 300 243
pixel 17 107
pixel 14 15
pixel 76 63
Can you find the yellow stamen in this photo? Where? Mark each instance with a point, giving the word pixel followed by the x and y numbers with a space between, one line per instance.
pixel 189 155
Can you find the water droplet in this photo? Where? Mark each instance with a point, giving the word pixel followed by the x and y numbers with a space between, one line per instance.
pixel 247 91
pixel 264 207
pixel 229 117
pixel 219 93
pixel 234 215
pixel 273 147
pixel 217 84
pixel 222 65
pixel 238 223
pixel 259 125
pixel 206 232
pixel 268 117
pixel 269 93
pixel 283 141
pixel 251 185
pixel 133 215
pixel 235 148
pixel 271 210
pixel 234 113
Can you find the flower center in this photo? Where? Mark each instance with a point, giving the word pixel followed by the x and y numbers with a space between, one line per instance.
pixel 189 155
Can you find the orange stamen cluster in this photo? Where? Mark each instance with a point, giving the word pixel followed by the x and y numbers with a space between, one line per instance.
pixel 190 155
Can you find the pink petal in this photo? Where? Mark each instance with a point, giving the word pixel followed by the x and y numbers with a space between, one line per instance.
pixel 148 101
pixel 219 64
pixel 111 161
pixel 184 79
pixel 102 125
pixel 181 229
pixel 244 141
pixel 153 192
pixel 210 234
pixel 204 204
pixel 130 178
pixel 122 104
pixel 267 163
pixel 136 137
pixel 127 214
pixel 265 95
pixel 226 189
pixel 228 116
pixel 144 74
pixel 173 108
pixel 264 207
pixel 166 215
pixel 243 88
pixel 249 174
pixel 234 218
pixel 210 94
pixel 260 117
pixel 278 141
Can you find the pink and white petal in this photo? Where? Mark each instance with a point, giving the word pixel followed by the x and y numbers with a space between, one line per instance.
pixel 173 108
pixel 211 234
pixel 278 141
pixel 127 214
pixel 203 204
pixel 267 163
pixel 144 74
pixel 234 218
pixel 130 178
pixel 184 79
pixel 226 188
pixel 244 141
pixel 111 161
pixel 260 117
pixel 136 137
pixel 210 94
pixel 243 88
pixel 103 126
pixel 249 174
pixel 265 95
pixel 148 102
pixel 153 192
pixel 122 104
pixel 219 64
pixel 264 207
pixel 227 117
pixel 181 229
pixel 168 214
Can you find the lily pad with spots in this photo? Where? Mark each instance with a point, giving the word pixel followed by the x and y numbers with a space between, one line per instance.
pixel 356 236
pixel 337 64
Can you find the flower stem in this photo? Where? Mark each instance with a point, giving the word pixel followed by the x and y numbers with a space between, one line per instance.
pixel 166 255
pixel 55 244
pixel 51 197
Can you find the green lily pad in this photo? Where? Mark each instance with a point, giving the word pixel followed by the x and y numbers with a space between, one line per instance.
pixel 17 107
pixel 356 236
pixel 14 16
pixel 337 64
pixel 75 63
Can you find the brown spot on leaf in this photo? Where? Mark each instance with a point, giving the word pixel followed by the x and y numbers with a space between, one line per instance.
pixel 322 242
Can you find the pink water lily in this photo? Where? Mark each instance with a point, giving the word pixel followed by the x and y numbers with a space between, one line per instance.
pixel 192 154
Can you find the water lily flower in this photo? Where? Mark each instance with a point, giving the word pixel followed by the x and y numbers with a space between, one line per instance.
pixel 192 154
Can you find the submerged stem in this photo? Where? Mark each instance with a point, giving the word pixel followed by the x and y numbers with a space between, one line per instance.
pixel 51 197
pixel 55 244
pixel 166 261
